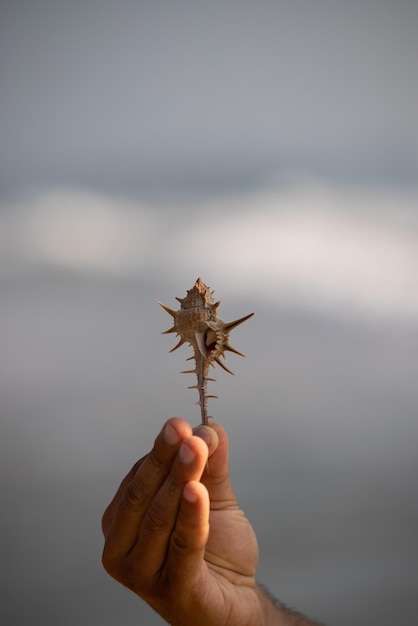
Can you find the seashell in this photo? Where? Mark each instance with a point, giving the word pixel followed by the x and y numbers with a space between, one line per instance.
pixel 198 324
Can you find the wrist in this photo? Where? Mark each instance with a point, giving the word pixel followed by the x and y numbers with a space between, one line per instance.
pixel 268 606
pixel 274 613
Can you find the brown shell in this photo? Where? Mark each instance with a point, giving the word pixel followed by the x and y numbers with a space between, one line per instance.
pixel 197 323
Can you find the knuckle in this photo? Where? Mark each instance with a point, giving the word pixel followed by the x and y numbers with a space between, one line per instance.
pixel 158 464
pixel 135 494
pixel 178 543
pixel 121 571
pixel 156 519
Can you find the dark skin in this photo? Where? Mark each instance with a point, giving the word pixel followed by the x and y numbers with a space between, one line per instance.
pixel 175 535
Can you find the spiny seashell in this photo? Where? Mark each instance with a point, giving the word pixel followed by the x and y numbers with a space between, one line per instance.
pixel 197 323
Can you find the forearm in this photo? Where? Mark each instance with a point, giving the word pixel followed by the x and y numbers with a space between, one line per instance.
pixel 277 614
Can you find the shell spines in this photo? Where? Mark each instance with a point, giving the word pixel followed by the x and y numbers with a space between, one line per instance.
pixel 197 323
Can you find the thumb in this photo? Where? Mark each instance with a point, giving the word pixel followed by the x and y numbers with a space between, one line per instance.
pixel 216 475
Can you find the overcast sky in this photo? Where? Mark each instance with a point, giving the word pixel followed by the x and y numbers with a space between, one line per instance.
pixel 131 96
pixel 300 119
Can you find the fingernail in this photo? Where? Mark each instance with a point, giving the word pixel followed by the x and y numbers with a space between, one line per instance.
pixel 186 454
pixel 171 435
pixel 202 433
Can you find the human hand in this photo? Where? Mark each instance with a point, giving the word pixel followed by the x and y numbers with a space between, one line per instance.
pixel 175 535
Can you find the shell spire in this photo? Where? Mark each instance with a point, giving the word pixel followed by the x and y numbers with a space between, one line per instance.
pixel 198 324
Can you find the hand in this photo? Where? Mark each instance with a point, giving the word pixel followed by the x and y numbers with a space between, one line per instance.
pixel 175 535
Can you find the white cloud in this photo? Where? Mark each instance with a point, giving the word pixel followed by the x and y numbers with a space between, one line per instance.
pixel 317 247
pixel 78 230
pixel 312 245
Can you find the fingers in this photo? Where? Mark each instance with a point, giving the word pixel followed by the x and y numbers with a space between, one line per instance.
pixel 158 520
pixel 124 515
pixel 109 512
pixel 166 512
pixel 189 538
pixel 143 513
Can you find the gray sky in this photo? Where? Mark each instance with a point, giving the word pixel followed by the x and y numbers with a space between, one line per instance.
pixel 307 112
pixel 149 95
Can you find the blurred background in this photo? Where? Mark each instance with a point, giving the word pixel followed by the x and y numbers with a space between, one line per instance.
pixel 272 149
